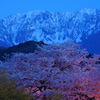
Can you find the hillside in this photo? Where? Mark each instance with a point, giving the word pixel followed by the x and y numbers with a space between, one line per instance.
pixel 27 47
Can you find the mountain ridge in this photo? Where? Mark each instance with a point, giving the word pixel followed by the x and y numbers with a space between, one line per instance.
pixel 26 47
pixel 49 27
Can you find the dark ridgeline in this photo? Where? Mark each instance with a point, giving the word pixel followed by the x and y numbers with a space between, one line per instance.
pixel 26 47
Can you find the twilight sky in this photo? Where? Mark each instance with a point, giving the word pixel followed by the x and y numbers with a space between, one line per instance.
pixel 8 7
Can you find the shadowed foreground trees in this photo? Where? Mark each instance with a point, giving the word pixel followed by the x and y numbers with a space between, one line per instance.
pixel 9 89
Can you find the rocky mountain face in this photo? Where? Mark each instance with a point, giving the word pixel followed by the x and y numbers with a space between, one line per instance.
pixel 51 27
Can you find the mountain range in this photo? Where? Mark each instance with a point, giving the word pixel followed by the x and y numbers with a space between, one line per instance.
pixel 53 27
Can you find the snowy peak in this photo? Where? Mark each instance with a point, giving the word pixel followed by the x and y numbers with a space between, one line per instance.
pixel 49 27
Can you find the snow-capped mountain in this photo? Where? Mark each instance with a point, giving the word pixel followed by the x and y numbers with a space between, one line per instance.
pixel 49 27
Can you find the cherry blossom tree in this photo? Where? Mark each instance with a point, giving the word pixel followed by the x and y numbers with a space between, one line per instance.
pixel 56 66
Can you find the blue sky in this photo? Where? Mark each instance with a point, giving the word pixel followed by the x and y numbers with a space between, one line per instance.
pixel 8 7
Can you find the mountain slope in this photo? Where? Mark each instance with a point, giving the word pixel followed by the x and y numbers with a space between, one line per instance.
pixel 92 43
pixel 49 27
pixel 27 47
